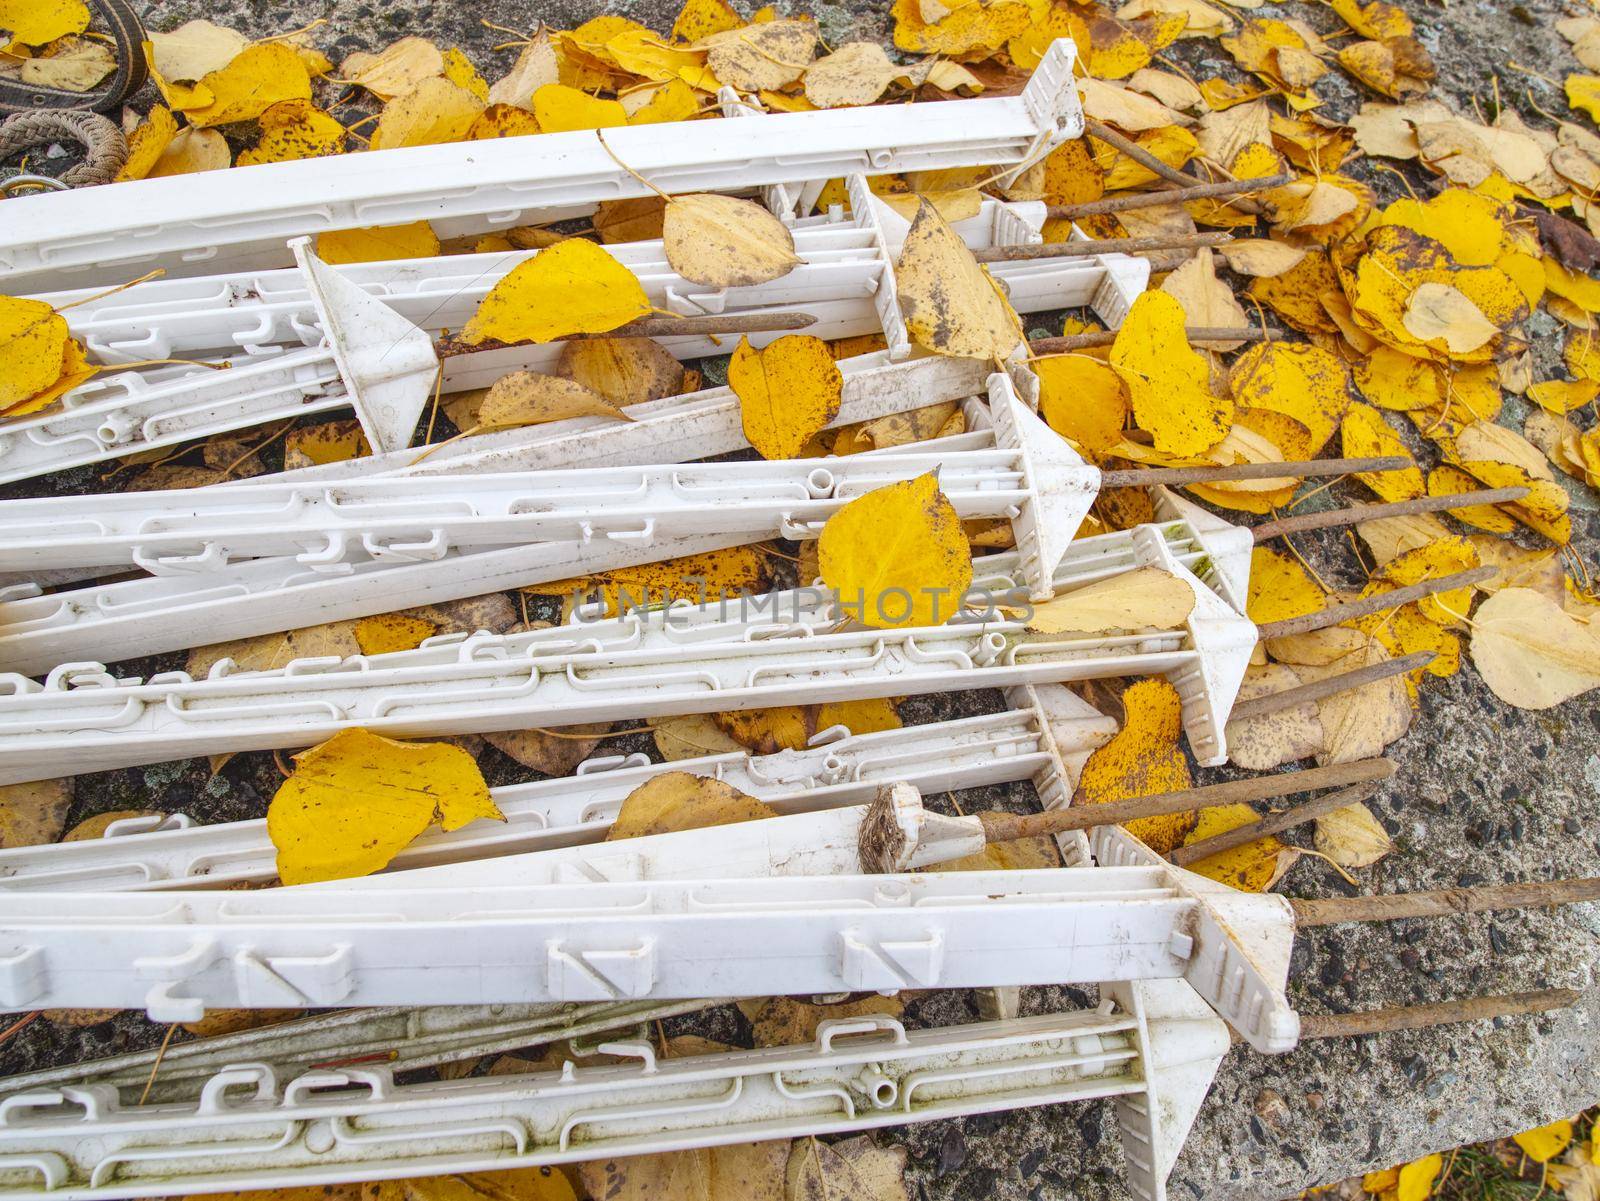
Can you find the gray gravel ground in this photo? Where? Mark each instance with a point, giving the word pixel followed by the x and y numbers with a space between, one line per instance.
pixel 1485 793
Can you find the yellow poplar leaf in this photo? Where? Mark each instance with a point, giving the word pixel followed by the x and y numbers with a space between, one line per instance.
pixel 33 349
pixel 379 244
pixel 1071 175
pixel 859 717
pixel 672 101
pixel 555 753
pixel 1352 837
pixel 259 77
pixel 642 52
pixel 195 49
pixel 73 64
pixel 458 69
pixel 1300 381
pixel 523 1184
pixel 294 129
pixel 954 205
pixel 788 392
pixel 1364 435
pixel 762 57
pixel 1544 1143
pixel 736 571
pixel 34 813
pixel 1563 396
pixel 1083 400
pixel 388 632
pixel 700 19
pixel 1168 382
pixel 433 112
pixel 535 67
pixel 1261 256
pixel 1142 759
pixel 357 800
pixel 690 737
pixel 725 242
pixel 1583 94
pixel 951 305
pixel 1530 652
pixel 855 1169
pixel 1438 311
pixel 1253 867
pixel 560 108
pixel 1415 1182
pixel 147 142
pixel 1472 227
pixel 767 731
pixel 678 800
pixel 1446 480
pixel 1141 599
pixel 1273 739
pixel 502 121
pixel 855 73
pixel 1380 1181
pixel 626 371
pixel 633 220
pixel 897 557
pixel 37 22
pixel 959 29
pixel 1206 300
pixel 397 69
pixel 528 398
pixel 326 442
pixel 190 151
pixel 573 287
pixel 1296 294
pixel 1393 380
pixel 1280 588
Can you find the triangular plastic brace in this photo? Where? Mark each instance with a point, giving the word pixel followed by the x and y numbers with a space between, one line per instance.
pixel 1182 1044
pixel 387 364
pixel 1061 485
pixel 1051 97
pixel 1228 546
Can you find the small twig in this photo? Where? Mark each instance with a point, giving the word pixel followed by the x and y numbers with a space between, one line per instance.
pixel 156 1066
pixel 657 327
pixel 1445 902
pixel 1005 827
pixel 1400 508
pixel 1127 146
pixel 1140 200
pixel 1149 477
pixel 1304 694
pixel 1194 333
pixel 1420 1017
pixel 1088 247
pixel 1379 602
pixel 1274 823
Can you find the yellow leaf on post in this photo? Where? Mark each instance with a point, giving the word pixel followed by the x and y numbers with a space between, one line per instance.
pixel 1142 759
pixel 725 242
pixel 788 392
pixel 259 77
pixel 434 112
pixel 1530 652
pixel 626 371
pixel 528 398
pixel 560 108
pixel 1169 384
pixel 357 800
pixel 37 22
pixel 762 57
pixel 379 244
pixel 573 287
pixel 951 305
pixel 1083 400
pixel 294 129
pixel 1145 598
pixel 678 801
pixel 897 557
pixel 33 348
pixel 1364 435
